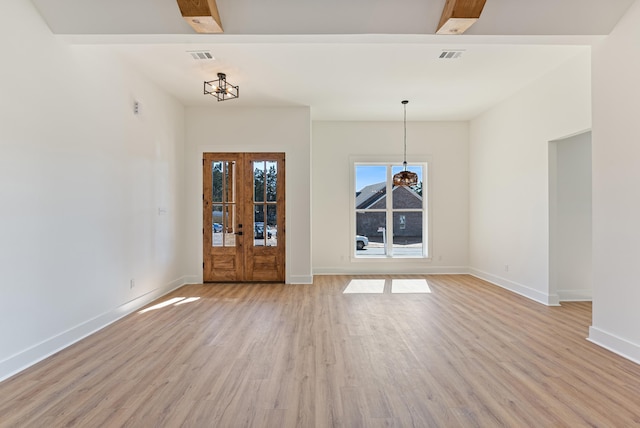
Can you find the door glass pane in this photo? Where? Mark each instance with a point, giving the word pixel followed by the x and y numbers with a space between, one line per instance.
pixel 217 226
pixel 407 233
pixel 228 225
pixel 229 184
pixel 258 181
pixel 271 180
pixel 272 226
pixel 224 207
pixel 370 236
pixel 259 234
pixel 216 181
pixel 408 197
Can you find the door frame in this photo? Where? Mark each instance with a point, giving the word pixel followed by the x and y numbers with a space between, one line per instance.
pixel 246 260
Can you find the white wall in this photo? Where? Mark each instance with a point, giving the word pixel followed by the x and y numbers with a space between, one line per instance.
pixel 509 227
pixel 616 184
pixel 335 144
pixel 81 182
pixel 570 258
pixel 232 129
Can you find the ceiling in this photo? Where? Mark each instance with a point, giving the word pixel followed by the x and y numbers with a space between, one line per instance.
pixel 347 60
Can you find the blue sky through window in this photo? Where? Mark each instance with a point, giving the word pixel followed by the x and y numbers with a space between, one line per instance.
pixel 370 174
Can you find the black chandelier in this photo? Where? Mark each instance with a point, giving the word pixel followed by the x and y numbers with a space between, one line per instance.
pixel 221 89
pixel 405 178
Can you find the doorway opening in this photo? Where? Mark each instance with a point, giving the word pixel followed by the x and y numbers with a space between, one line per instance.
pixel 570 221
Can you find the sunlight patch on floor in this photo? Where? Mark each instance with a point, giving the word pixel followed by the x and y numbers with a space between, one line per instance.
pixel 365 286
pixel 409 286
pixel 175 302
pixel 187 300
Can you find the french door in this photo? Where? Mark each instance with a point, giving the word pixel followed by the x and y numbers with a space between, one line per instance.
pixel 243 217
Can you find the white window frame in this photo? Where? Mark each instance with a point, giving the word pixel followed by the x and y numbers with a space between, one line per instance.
pixel 389 162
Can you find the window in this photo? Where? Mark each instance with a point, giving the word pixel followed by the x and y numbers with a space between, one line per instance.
pixel 389 221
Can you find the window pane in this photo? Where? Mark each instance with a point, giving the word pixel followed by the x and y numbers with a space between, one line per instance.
pixel 258 181
pixel 371 186
pixel 370 233
pixel 407 233
pixel 408 197
pixel 272 226
pixel 272 180
pixel 405 210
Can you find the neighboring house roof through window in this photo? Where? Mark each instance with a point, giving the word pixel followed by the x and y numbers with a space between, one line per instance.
pixel 374 194
pixel 369 194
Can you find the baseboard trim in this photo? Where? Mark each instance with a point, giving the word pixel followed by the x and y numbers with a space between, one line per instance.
pixel 24 359
pixel 523 290
pixel 575 295
pixel 369 270
pixel 192 279
pixel 615 344
pixel 300 279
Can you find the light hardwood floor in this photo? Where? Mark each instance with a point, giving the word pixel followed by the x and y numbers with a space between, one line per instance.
pixel 271 355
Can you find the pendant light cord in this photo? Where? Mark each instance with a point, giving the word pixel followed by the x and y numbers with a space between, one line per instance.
pixel 405 134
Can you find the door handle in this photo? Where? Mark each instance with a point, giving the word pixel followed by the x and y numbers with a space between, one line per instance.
pixel 239 233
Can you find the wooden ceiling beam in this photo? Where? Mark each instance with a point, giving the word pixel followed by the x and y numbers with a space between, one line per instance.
pixel 459 15
pixel 202 15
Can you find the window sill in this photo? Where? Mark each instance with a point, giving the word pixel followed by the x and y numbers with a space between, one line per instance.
pixel 378 258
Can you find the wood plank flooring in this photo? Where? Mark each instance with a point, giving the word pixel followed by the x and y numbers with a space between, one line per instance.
pixel 468 354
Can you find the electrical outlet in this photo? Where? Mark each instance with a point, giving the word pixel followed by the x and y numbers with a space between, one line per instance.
pixel 132 283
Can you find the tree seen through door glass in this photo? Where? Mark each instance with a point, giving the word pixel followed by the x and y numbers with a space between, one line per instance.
pixel 224 203
pixel 271 180
pixel 216 181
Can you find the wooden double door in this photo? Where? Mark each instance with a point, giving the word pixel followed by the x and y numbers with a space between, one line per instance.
pixel 243 217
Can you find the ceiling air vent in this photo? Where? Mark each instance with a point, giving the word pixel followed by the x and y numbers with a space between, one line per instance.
pixel 201 55
pixel 450 54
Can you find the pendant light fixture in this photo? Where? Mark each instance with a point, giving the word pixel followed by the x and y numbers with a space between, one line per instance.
pixel 405 178
pixel 221 89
